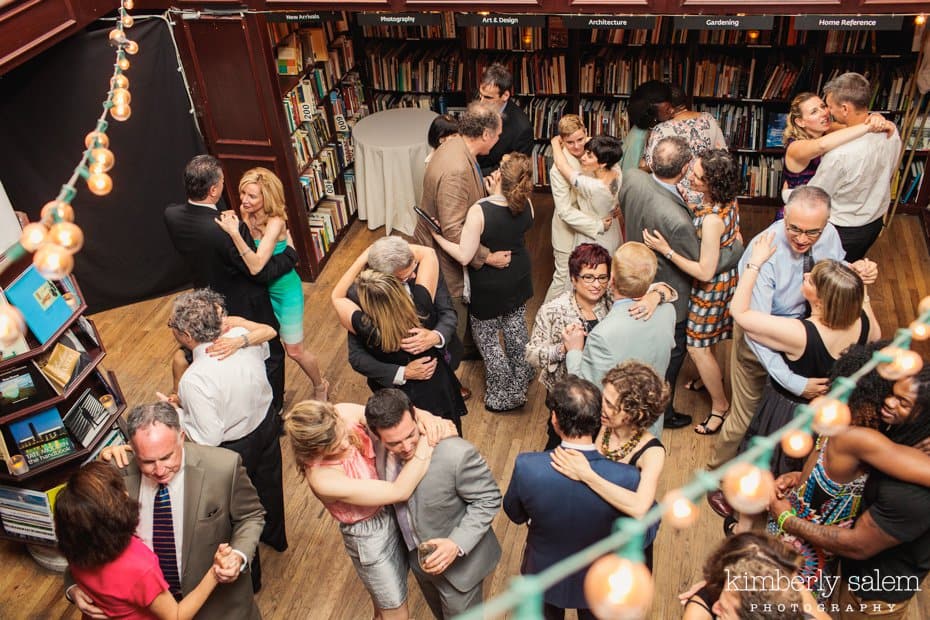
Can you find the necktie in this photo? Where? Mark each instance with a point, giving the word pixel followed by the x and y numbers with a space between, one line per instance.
pixel 400 508
pixel 808 264
pixel 163 540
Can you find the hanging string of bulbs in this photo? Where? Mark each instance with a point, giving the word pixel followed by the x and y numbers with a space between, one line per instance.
pixel 55 239
pixel 618 585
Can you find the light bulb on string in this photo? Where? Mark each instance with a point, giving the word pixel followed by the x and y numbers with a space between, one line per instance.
pixel 33 236
pixel 123 63
pixel 120 112
pixel 101 159
pixel 923 306
pixel 99 183
pixel 920 20
pixel 128 4
pixel 904 363
pixel 131 47
pixel 830 415
pixel 618 588
pixel 53 261
pixel 680 511
pixel 116 37
pixel 68 235
pixel 57 211
pixel 127 20
pixel 12 325
pixel 119 81
pixel 919 331
pixel 748 487
pixel 120 96
pixel 797 443
pixel 96 138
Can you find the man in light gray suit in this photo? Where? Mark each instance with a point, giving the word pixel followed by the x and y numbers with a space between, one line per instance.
pixel 653 202
pixel 619 336
pixel 448 517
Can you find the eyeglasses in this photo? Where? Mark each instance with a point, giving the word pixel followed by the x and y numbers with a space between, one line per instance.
pixel 813 233
pixel 590 278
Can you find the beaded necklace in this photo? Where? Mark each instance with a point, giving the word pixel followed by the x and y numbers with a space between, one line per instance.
pixel 620 453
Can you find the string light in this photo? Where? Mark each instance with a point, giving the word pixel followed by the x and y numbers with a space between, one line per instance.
pixel 127 20
pixel 924 306
pixel 96 138
pixel 119 81
pixel 120 96
pixel 920 20
pixel 618 588
pixel 797 443
pixel 117 37
pixel 830 415
pixel 903 363
pixel 919 331
pixel 11 324
pixel 131 47
pixel 120 112
pixel 33 236
pixel 101 159
pixel 748 487
pixel 99 183
pixel 681 511
pixel 67 235
pixel 53 261
pixel 123 63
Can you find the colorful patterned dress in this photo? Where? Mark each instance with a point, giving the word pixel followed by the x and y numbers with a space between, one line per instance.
pixel 822 501
pixel 709 319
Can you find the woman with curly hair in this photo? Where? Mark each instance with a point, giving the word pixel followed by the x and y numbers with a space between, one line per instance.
pixel 499 296
pixel 716 175
pixel 633 398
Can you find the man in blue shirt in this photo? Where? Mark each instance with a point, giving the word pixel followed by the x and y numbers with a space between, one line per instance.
pixel 802 239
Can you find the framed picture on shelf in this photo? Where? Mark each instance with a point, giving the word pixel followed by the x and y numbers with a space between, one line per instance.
pixel 43 306
pixel 22 386
pixel 41 437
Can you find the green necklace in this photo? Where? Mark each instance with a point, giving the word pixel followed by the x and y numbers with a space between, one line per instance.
pixel 620 453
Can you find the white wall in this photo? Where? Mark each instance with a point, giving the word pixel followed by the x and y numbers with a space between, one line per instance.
pixel 9 225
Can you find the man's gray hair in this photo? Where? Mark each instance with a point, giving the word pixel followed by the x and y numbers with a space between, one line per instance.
pixel 809 196
pixel 670 156
pixel 477 119
pixel 851 88
pixel 389 255
pixel 144 416
pixel 196 314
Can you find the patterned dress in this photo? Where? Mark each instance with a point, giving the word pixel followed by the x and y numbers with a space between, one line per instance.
pixel 822 501
pixel 709 319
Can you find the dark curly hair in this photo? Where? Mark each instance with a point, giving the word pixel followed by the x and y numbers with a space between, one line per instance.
pixel 741 546
pixel 94 516
pixel 642 394
pixel 917 427
pixel 865 401
pixel 721 175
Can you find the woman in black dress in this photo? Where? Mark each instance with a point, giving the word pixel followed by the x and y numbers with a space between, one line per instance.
pixel 384 316
pixel 498 296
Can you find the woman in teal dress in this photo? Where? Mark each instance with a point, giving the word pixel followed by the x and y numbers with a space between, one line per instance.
pixel 262 210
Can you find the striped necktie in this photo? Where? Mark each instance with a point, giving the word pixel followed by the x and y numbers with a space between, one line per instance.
pixel 808 265
pixel 163 540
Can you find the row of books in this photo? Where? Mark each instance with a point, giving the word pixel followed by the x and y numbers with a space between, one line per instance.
pixel 919 138
pixel 662 33
pixel 326 221
pixel 335 27
pixel 443 30
pixel 723 76
pixel 782 34
pixel 890 83
pixel 318 177
pixel 910 180
pixel 784 79
pixel 743 126
pixel 617 72
pixel 606 117
pixel 310 138
pixel 341 57
pixel 300 104
pixel 300 49
pixel 544 75
pixel 414 68
pixel 504 38
pixel 388 101
pixel 348 99
pixel 544 113
pixel 850 42
pixel 762 175
pixel 542 162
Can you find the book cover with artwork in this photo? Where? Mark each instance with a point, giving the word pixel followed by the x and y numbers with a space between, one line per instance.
pixel 22 386
pixel 41 303
pixel 41 437
pixel 774 133
pixel 85 418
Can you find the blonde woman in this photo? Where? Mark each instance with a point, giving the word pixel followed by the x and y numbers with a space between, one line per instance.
pixel 262 210
pixel 382 318
pixel 809 134
pixel 334 453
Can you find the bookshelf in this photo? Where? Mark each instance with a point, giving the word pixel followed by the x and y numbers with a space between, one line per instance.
pixel 58 406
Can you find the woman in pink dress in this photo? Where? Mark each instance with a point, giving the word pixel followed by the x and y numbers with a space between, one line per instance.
pixel 334 453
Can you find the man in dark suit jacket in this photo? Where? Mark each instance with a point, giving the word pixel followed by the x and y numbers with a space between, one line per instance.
pixel 393 255
pixel 495 90
pixel 565 515
pixel 653 202
pixel 450 511
pixel 214 261
pixel 219 505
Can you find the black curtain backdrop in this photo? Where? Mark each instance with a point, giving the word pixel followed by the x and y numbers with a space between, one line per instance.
pixel 49 104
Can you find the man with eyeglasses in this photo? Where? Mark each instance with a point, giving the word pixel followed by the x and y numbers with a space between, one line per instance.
pixel 802 239
pixel 495 91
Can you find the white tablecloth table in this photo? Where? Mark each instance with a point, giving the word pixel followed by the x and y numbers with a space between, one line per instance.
pixel 390 147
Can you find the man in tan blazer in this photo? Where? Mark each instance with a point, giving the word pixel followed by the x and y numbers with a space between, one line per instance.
pixel 451 184
pixel 210 488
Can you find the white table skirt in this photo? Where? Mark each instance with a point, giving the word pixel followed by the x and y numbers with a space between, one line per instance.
pixel 390 147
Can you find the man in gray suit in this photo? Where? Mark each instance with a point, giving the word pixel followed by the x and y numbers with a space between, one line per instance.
pixel 447 520
pixel 619 336
pixel 653 202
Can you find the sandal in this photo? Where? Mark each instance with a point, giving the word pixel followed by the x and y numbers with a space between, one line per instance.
pixel 695 385
pixel 321 391
pixel 703 429
pixel 729 525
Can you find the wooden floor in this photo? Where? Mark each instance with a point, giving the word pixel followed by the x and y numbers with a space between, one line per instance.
pixel 314 578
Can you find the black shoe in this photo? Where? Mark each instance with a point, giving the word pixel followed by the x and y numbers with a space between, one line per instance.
pixel 677 420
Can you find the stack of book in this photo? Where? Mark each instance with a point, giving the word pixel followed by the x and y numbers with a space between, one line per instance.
pixel 605 117
pixel 28 514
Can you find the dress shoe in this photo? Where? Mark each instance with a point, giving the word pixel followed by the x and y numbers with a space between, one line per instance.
pixel 677 420
pixel 719 503
pixel 466 393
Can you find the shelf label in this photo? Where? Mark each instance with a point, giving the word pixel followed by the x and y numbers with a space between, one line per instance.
pixel 340 122
pixel 316 17
pixel 500 19
pixel 399 19
pixel 848 22
pixel 723 22
pixel 624 22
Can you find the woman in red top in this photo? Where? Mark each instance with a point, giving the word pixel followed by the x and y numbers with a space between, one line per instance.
pixel 95 520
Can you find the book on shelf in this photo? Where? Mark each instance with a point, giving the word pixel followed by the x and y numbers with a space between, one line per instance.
pixel 41 303
pixel 114 437
pixel 23 385
pixel 544 114
pixel 85 418
pixel 290 59
pixel 17 347
pixel 62 364
pixel 542 162
pixel 504 38
pixel 28 513
pixel 775 130
pixel 920 137
pixel 41 437
pixel 762 175
pixel 605 117
pixel 910 180
pixel 348 177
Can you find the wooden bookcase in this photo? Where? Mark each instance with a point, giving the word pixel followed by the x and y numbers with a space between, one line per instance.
pixel 22 508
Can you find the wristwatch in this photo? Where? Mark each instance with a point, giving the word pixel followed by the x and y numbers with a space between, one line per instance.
pixel 669 254
pixel 662 297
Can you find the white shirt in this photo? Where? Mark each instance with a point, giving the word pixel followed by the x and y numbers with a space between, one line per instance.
pixel 224 400
pixel 857 175
pixel 148 488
